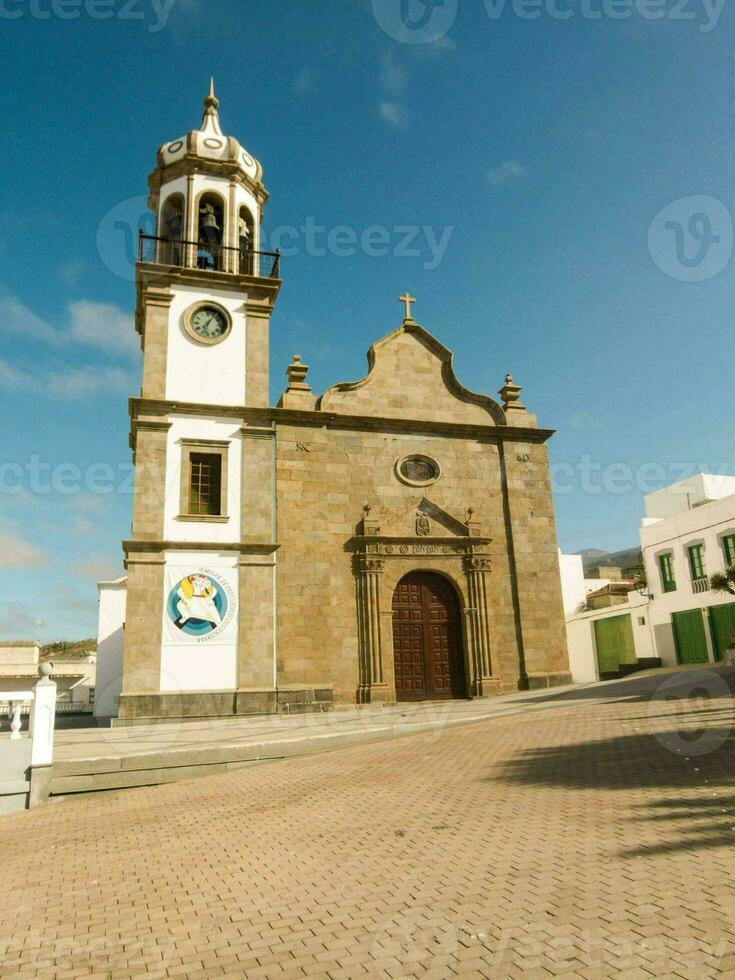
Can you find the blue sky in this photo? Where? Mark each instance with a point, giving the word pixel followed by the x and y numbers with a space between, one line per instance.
pixel 537 150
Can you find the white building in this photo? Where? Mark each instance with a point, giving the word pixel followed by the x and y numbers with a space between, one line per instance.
pixel 608 642
pixel 687 535
pixel 110 646
pixel 75 678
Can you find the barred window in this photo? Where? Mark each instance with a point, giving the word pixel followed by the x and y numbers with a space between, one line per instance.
pixel 205 484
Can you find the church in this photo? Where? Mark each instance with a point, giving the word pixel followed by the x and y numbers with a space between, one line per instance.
pixel 391 539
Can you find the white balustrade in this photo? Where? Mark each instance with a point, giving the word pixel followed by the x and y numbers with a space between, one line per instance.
pixel 42 700
pixel 16 700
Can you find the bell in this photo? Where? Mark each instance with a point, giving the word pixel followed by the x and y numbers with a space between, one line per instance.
pixel 209 219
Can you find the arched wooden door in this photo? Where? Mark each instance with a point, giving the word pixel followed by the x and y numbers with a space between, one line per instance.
pixel 427 639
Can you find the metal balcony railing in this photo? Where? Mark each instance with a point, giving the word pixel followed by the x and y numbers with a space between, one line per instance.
pixel 208 256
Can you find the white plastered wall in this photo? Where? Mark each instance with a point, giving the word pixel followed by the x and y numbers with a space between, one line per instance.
pixel 572 581
pixel 110 644
pixel 212 374
pixel 202 666
pixel 581 636
pixel 197 428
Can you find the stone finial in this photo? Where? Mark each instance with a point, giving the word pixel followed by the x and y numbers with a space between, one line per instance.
pixel 298 394
pixel 45 670
pixel 296 373
pixel 510 393
pixel 473 527
pixel 210 119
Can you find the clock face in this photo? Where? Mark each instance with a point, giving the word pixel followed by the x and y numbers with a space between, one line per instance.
pixel 209 323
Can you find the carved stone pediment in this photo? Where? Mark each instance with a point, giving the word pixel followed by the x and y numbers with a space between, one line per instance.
pixel 425 528
pixel 429 388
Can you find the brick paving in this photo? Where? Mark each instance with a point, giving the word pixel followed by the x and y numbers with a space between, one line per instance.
pixel 592 839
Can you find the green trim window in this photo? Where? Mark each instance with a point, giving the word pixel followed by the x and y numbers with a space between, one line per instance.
pixel 668 579
pixel 696 562
pixel 728 546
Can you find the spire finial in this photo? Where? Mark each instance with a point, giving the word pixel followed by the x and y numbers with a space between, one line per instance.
pixel 211 101
pixel 210 119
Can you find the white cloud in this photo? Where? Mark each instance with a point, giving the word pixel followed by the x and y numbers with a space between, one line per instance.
pixel 394 113
pixel 89 503
pixel 393 77
pixel 305 82
pixel 78 382
pixel 99 568
pixel 442 45
pixel 9 377
pixel 66 382
pixel 16 552
pixel 508 170
pixel 102 325
pixel 18 319
pixel 71 272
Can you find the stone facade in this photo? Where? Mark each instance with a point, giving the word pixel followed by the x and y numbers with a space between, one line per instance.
pixel 324 503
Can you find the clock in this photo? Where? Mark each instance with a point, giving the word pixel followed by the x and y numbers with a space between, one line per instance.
pixel 207 323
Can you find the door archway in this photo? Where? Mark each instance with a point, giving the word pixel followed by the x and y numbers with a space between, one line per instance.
pixel 428 654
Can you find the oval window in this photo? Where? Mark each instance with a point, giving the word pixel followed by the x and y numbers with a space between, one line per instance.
pixel 418 470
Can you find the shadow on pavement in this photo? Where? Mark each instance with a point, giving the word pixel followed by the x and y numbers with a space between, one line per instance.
pixel 686 752
pixel 636 688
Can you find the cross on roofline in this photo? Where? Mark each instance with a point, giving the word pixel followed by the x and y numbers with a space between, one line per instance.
pixel 408 300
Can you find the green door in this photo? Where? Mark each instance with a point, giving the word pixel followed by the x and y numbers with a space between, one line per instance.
pixel 689 636
pixel 615 645
pixel 722 625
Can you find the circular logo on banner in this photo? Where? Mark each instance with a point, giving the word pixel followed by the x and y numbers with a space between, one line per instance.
pixel 200 605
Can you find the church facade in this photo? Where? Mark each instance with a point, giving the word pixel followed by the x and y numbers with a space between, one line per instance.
pixel 391 539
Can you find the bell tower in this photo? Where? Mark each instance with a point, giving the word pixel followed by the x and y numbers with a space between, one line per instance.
pixel 202 538
pixel 207 196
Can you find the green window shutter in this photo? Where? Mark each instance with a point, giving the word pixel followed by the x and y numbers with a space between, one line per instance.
pixel 696 562
pixel 668 579
pixel 728 546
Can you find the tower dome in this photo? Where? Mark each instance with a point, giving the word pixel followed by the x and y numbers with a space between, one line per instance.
pixel 208 197
pixel 210 143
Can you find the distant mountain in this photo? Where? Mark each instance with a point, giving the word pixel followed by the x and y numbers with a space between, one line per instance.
pixel 592 557
pixel 589 553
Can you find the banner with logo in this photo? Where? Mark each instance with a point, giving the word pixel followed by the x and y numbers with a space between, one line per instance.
pixel 200 605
